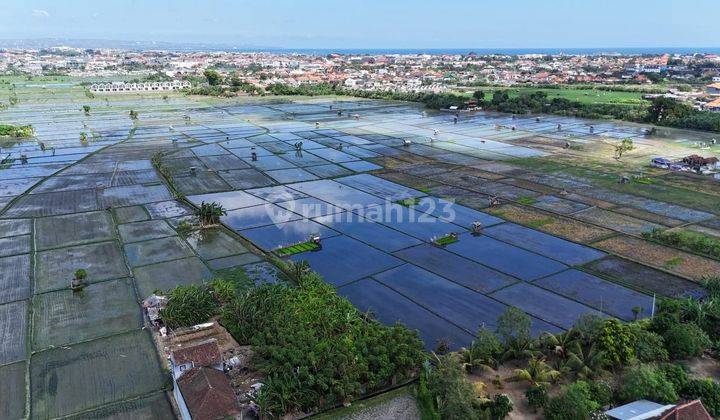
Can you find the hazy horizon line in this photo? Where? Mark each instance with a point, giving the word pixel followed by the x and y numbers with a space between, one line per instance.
pixel 250 47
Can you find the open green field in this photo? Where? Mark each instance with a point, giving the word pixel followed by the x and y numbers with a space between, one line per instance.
pixel 585 96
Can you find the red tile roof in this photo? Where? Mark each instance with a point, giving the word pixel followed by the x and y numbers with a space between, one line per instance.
pixel 206 353
pixel 207 394
pixel 693 410
pixel 713 104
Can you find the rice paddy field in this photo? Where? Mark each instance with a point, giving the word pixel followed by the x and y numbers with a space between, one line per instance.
pixel 534 224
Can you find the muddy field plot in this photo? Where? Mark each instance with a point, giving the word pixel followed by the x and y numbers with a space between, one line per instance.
pixel 214 243
pixel 12 391
pixel 142 231
pixel 92 374
pixel 13 324
pixel 14 245
pixel 55 268
pixel 15 227
pixel 154 407
pixel 616 221
pixel 645 278
pixel 51 204
pixel 100 309
pixel 686 265
pixel 73 229
pixel 156 250
pixel 130 214
pixel 167 275
pixel 14 278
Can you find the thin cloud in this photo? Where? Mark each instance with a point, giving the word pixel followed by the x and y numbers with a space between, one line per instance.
pixel 39 13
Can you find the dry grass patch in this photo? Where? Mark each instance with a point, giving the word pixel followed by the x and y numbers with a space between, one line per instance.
pixel 686 265
pixel 554 225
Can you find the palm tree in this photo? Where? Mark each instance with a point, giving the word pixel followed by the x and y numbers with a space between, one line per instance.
pixel 537 372
pixel 210 213
pixel 559 343
pixel 472 360
pixel 586 363
pixel 519 350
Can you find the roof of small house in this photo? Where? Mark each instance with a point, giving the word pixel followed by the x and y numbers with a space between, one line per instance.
pixel 206 353
pixel 713 104
pixel 208 394
pixel 693 410
pixel 638 410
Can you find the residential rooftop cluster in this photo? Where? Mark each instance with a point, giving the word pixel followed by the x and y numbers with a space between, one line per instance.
pixel 408 72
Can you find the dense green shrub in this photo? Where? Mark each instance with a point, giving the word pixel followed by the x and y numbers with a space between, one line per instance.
pixel 575 402
pixel 484 351
pixel 602 392
pixel 499 407
pixel 645 382
pixel 537 396
pixel 425 400
pixel 189 305
pixel 675 374
pixel 686 340
pixel 649 346
pixel 454 395
pixel 20 131
pixel 314 348
pixel 707 390
pixel 197 303
pixel 616 341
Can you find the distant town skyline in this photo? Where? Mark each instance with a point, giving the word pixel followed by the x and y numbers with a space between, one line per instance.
pixel 326 24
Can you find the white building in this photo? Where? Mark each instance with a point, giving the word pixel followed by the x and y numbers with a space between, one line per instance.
pixel 122 87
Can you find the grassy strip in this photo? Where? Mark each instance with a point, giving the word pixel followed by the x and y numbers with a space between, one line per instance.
pixel 691 241
pixel 297 249
pixel 19 131
pixel 528 201
pixel 409 202
pixel 448 239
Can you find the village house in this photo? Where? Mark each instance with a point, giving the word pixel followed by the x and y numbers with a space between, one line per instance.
pixel 648 410
pixel 201 389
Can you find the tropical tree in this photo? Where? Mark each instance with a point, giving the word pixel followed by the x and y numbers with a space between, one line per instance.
pixel 537 396
pixel 624 146
pixel 479 95
pixel 559 343
pixel 213 77
pixel 616 341
pixel 210 213
pixel 537 372
pixel 484 351
pixel 586 363
pixel 513 328
pixel 645 382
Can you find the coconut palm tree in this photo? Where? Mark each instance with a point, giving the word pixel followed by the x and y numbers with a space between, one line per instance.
pixel 559 343
pixel 586 363
pixel 537 372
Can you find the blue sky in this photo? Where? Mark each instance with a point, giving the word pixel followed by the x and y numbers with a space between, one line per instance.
pixel 373 23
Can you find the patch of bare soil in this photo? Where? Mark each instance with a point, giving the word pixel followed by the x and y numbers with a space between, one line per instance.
pixel 704 367
pixel 513 389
